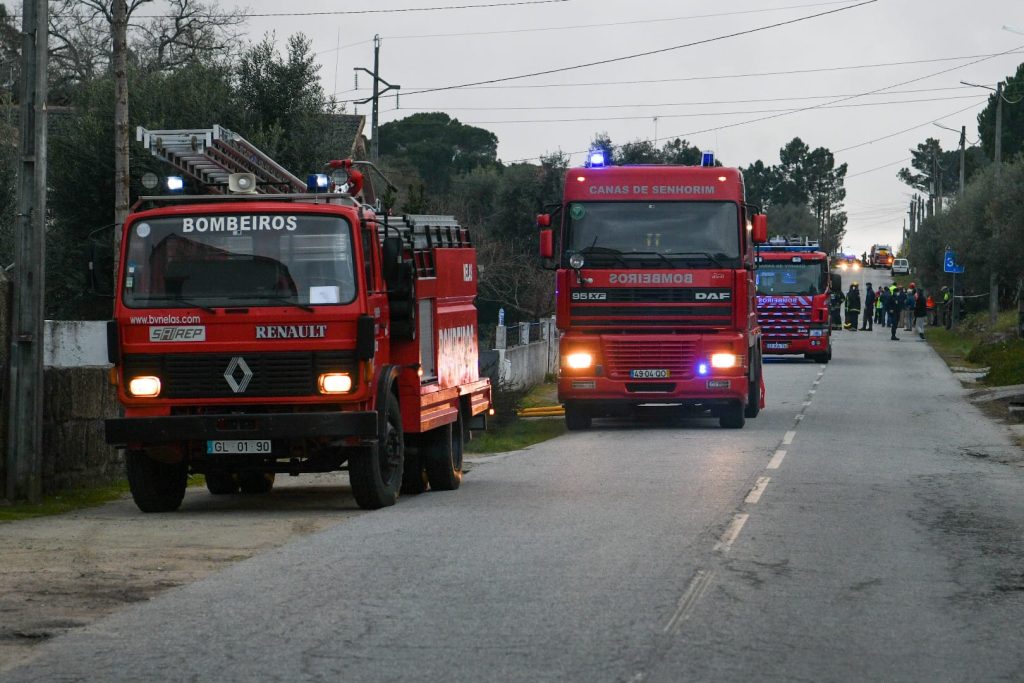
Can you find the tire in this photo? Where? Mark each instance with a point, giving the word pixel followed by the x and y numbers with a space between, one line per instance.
pixel 376 476
pixel 576 418
pixel 221 483
pixel 256 482
pixel 732 417
pixel 155 486
pixel 443 457
pixel 753 407
pixel 414 475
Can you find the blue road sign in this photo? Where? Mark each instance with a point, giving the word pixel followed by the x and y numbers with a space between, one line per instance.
pixel 949 263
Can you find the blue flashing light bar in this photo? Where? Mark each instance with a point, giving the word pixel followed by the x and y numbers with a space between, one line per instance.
pixel 175 183
pixel 707 159
pixel 596 159
pixel 318 182
pixel 779 247
pixel 702 369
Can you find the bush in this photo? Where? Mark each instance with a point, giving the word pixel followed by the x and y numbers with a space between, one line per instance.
pixel 1005 360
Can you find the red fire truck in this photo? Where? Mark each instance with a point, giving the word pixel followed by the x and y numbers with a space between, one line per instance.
pixel 655 292
pixel 293 331
pixel 793 290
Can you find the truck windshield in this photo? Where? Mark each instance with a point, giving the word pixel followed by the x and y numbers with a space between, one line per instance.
pixel 239 260
pixel 644 234
pixel 782 278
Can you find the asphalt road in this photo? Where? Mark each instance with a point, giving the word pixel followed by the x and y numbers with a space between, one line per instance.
pixel 862 528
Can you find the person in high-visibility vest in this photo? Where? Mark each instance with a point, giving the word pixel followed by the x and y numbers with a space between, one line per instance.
pixel 932 313
pixel 947 308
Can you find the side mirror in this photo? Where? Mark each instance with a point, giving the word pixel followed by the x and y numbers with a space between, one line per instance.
pixel 544 220
pixel 759 234
pixel 547 243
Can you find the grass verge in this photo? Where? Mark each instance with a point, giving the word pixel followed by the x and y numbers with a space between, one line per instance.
pixel 66 501
pixel 515 433
pixel 976 343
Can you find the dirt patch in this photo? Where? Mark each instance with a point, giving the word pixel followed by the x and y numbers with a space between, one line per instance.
pixel 64 572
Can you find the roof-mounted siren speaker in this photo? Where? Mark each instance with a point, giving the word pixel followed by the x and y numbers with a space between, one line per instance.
pixel 242 183
pixel 707 159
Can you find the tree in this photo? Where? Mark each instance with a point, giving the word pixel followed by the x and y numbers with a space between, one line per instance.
pixel 438 146
pixel 792 219
pixel 285 106
pixel 1013 118
pixel 758 180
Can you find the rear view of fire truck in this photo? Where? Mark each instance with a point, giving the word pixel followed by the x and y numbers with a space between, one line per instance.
pixel 271 326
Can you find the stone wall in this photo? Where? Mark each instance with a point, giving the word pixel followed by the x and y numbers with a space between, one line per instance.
pixel 75 403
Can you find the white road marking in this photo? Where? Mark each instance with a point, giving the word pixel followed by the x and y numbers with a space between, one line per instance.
pixel 807 404
pixel 799 417
pixel 776 460
pixel 687 601
pixel 811 392
pixel 759 487
pixel 731 533
pixel 788 438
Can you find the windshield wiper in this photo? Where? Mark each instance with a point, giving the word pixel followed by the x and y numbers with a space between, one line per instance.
pixel 182 300
pixel 653 253
pixel 704 254
pixel 282 299
pixel 593 249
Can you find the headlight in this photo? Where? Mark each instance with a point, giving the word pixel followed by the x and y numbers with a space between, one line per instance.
pixel 144 387
pixel 856 265
pixel 723 360
pixel 842 266
pixel 334 383
pixel 817 333
pixel 579 360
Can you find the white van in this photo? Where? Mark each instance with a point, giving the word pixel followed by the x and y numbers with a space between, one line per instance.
pixel 900 266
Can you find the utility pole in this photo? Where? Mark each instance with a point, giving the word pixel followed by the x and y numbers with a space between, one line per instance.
pixel 375 98
pixel 963 158
pixel 119 35
pixel 993 277
pixel 25 430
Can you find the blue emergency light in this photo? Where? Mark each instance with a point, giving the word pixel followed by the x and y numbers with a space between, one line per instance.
pixel 702 369
pixel 175 183
pixel 595 158
pixel 707 159
pixel 318 182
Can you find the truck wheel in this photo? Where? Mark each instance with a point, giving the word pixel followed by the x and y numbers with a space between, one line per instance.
pixel 414 475
pixel 443 457
pixel 576 418
pixel 221 483
pixel 753 407
pixel 256 482
pixel 376 476
pixel 156 486
pixel 732 417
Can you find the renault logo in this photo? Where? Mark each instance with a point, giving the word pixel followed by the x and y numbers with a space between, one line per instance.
pixel 237 367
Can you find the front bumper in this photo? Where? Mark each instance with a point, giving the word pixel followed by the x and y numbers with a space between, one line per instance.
pixel 695 391
pixel 173 428
pixel 792 346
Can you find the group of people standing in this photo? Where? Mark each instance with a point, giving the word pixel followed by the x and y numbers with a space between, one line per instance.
pixel 888 306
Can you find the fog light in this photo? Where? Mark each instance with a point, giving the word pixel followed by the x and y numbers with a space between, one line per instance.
pixel 334 383
pixel 579 361
pixel 144 387
pixel 723 360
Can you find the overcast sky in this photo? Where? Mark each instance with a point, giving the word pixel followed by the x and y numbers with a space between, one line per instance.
pixel 700 92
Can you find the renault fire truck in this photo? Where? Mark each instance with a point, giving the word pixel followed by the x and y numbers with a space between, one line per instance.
pixel 881 256
pixel 276 326
pixel 655 292
pixel 793 290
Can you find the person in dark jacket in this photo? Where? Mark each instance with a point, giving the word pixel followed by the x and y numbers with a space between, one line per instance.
pixel 835 305
pixel 869 309
pixel 892 309
pixel 884 294
pixel 920 312
pixel 852 307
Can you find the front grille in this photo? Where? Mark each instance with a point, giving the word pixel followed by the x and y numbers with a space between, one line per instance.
pixel 650 307
pixel 784 323
pixel 621 355
pixel 202 375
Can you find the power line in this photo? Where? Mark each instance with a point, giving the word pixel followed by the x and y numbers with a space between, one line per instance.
pixel 907 130
pixel 615 24
pixel 647 53
pixel 395 10
pixel 712 113
pixel 762 74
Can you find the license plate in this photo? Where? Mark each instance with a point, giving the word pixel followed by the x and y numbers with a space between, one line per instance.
pixel 776 345
pixel 648 374
pixel 236 447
